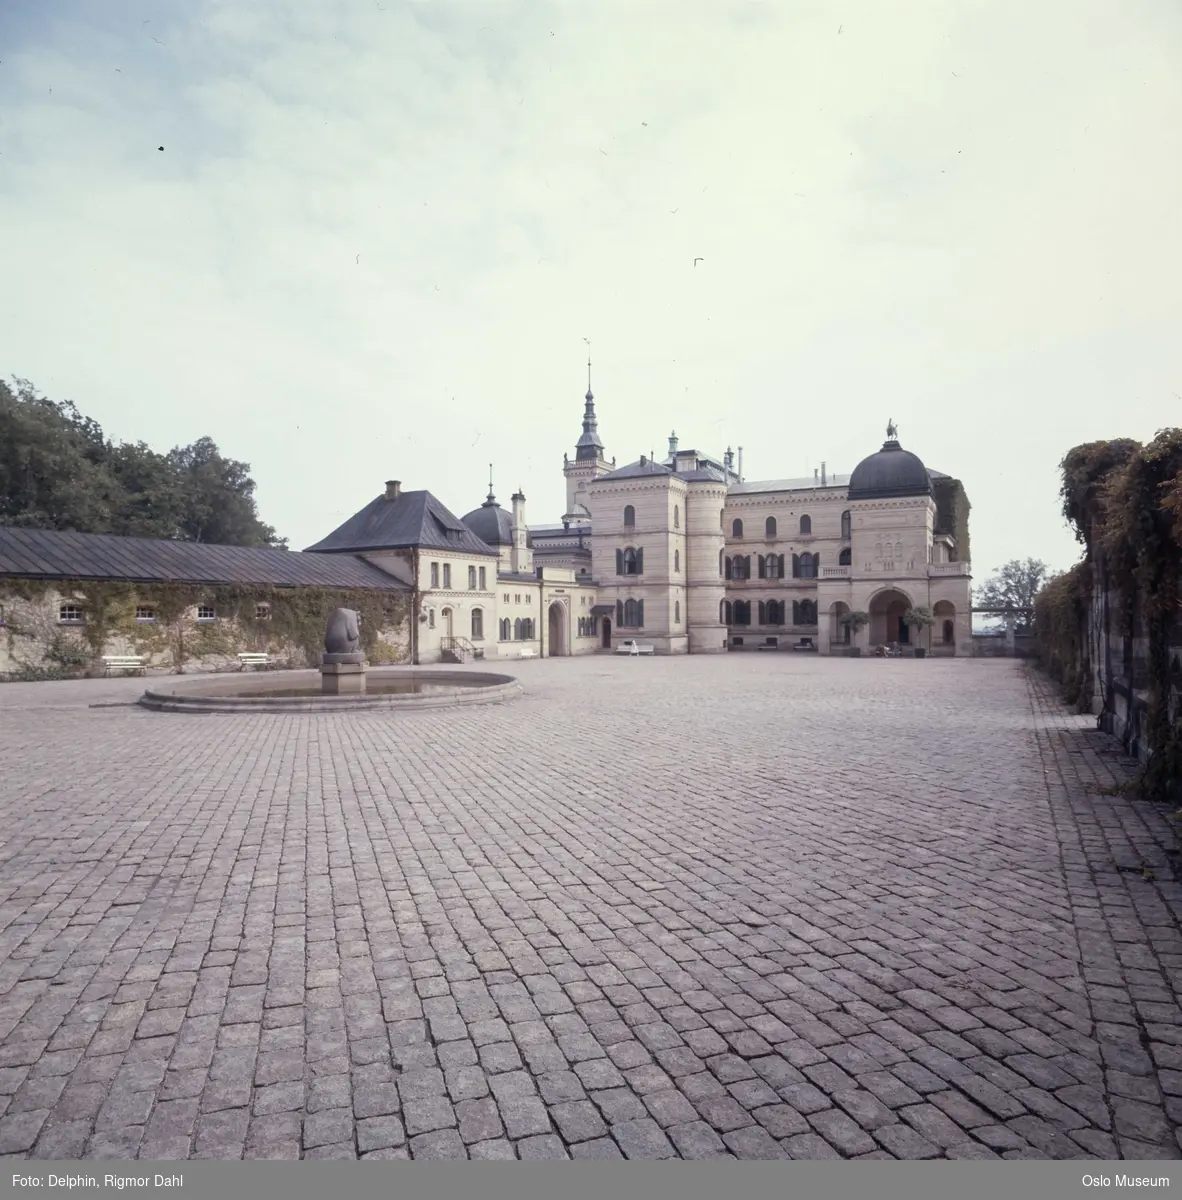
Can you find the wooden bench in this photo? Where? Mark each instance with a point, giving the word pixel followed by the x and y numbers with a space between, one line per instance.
pixel 124 662
pixel 253 660
pixel 527 652
pixel 633 648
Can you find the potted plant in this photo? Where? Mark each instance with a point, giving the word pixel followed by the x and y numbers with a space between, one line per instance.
pixel 854 621
pixel 919 618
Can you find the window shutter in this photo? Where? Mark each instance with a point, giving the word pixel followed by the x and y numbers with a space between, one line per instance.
pixel 781 564
pixel 762 567
pixel 640 563
pixel 619 612
pixel 795 567
pixel 619 562
pixel 640 614
pixel 726 571
pixel 762 613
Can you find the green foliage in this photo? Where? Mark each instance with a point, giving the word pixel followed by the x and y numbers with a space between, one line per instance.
pixel 952 515
pixel 1015 585
pixel 854 620
pixel 1061 625
pixel 1125 503
pixel 919 618
pixel 294 628
pixel 58 471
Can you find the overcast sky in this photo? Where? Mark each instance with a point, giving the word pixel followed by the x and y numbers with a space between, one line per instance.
pixel 378 234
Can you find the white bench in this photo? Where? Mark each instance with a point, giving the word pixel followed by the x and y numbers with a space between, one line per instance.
pixel 803 645
pixel 527 652
pixel 253 660
pixel 124 662
pixel 633 648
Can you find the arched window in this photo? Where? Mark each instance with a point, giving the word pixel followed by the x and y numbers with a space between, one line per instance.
pixel 736 528
pixel 804 566
pixel 742 612
pixel 629 515
pixel 478 624
pixel 506 630
pixel 769 527
pixel 806 524
pixel 845 526
pixel 630 562
pixel 633 614
pixel 844 558
pixel 676 612
pixel 728 568
pixel 676 516
pixel 804 612
pixel 517 630
pixel 677 560
pixel 722 565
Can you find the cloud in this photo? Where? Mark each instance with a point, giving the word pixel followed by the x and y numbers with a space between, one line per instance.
pixel 379 230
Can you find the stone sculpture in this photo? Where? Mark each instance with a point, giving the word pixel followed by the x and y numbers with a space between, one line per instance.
pixel 343 633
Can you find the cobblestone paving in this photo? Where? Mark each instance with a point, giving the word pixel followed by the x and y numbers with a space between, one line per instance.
pixel 743 906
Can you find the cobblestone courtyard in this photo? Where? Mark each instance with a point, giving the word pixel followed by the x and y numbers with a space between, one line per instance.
pixel 759 906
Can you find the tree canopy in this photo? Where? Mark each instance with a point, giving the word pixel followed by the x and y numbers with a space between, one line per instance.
pixel 59 471
pixel 1015 585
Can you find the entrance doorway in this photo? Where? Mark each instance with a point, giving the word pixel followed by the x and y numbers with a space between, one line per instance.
pixel 557 627
pixel 607 633
pixel 448 623
pixel 886 618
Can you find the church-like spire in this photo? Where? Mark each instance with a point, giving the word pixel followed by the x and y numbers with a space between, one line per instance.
pixel 491 500
pixel 589 445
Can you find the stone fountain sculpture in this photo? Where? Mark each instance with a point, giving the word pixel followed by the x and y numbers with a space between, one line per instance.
pixel 343 665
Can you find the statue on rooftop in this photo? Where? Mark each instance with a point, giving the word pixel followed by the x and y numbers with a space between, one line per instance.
pixel 892 430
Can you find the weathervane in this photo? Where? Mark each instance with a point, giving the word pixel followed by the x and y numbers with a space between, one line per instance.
pixel 892 430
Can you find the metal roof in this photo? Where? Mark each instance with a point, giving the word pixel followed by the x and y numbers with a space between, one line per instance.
pixel 395 523
pixel 53 554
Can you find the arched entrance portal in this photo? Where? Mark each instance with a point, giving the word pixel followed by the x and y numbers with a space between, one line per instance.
pixel 839 634
pixel 886 618
pixel 945 631
pixel 607 633
pixel 557 631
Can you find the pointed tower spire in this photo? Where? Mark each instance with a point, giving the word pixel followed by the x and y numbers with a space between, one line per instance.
pixel 491 501
pixel 589 445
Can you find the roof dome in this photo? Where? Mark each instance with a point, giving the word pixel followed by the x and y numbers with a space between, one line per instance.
pixel 890 473
pixel 490 523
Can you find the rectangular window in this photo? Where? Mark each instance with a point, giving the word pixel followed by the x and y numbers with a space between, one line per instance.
pixel 471 579
pixel 529 597
pixel 144 614
pixel 506 597
pixel 447 575
pixel 70 614
pixel 262 612
pixel 434 575
pixel 517 598
pixel 206 612
pixel 483 578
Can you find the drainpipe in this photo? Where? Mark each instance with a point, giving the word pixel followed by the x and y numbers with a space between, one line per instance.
pixel 416 604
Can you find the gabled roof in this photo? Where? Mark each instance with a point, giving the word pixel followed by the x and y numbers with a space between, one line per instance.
pixel 406 520
pixel 637 470
pixel 53 554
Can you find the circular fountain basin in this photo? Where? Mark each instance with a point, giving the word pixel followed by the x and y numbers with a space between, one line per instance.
pixel 388 689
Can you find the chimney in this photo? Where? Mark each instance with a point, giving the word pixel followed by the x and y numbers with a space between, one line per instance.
pixel 643 461
pixel 673 443
pixel 824 477
pixel 393 489
pixel 816 477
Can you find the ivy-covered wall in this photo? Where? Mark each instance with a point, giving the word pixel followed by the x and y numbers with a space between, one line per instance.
pixel 35 644
pixel 1111 629
pixel 952 515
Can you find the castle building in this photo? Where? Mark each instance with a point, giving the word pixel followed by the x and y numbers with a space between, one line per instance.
pixel 683 554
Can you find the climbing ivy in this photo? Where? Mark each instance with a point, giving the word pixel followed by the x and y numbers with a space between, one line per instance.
pixel 293 627
pixel 952 515
pixel 1125 502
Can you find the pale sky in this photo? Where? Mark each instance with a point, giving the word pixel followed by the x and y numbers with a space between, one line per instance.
pixel 379 233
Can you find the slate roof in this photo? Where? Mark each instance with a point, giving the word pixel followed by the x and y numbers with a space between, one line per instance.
pixel 637 470
pixel 411 519
pixel 53 554
pixel 788 485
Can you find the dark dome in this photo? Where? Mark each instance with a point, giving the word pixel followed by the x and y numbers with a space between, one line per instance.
pixel 890 473
pixel 491 524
